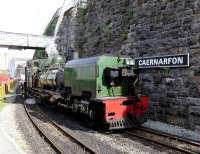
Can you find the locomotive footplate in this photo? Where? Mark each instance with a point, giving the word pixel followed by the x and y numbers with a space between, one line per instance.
pixel 124 112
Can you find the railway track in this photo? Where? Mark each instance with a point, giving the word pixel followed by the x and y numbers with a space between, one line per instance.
pixel 60 140
pixel 167 140
pixel 45 125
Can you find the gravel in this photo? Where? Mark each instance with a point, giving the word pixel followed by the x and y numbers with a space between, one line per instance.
pixel 102 142
pixel 15 122
pixel 63 143
pixel 185 133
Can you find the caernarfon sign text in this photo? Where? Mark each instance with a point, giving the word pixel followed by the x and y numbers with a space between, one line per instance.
pixel 163 61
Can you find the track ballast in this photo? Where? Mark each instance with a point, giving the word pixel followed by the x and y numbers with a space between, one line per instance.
pixel 57 137
pixel 166 140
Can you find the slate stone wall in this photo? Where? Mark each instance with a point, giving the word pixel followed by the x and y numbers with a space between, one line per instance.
pixel 141 28
pixel 66 34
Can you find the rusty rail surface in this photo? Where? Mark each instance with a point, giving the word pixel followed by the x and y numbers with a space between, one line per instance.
pixel 167 140
pixel 66 134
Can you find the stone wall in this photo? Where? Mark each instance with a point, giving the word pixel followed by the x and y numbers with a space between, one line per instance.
pixel 66 34
pixel 140 28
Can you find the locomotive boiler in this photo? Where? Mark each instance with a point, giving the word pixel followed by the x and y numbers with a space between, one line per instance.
pixel 104 88
pixel 52 78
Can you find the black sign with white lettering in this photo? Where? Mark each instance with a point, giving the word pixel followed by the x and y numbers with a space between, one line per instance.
pixel 163 61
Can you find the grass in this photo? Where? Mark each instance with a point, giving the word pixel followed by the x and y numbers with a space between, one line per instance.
pixel 2 104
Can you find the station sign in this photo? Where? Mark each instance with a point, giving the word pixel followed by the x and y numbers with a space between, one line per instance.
pixel 181 60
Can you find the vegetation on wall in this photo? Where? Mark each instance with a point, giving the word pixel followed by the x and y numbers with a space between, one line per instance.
pixel 81 16
pixel 81 20
pixel 49 31
pixel 40 54
pixel 107 30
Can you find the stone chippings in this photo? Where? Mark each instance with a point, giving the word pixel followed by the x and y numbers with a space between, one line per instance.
pixel 17 125
pixel 101 142
pixel 171 129
pixel 145 28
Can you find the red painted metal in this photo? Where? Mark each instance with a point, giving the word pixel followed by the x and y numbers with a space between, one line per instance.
pixel 140 108
pixel 4 79
pixel 116 108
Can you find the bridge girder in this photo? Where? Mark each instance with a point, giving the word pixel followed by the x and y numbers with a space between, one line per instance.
pixel 23 41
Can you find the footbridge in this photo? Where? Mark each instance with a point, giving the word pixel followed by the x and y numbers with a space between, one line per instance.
pixel 23 41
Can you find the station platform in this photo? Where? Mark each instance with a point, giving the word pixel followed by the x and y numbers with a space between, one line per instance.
pixel 8 145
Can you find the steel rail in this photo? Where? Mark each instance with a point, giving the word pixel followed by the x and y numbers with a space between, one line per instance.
pixel 41 132
pixel 80 143
pixel 169 136
pixel 175 137
pixel 64 132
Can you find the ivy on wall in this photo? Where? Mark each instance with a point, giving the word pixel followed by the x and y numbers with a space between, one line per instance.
pixel 40 54
pixel 49 31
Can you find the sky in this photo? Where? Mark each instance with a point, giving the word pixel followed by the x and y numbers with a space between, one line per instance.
pixel 26 16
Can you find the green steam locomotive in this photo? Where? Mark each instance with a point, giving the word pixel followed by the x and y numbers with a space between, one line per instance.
pixel 104 88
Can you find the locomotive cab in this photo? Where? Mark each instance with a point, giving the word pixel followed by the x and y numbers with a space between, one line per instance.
pixel 109 81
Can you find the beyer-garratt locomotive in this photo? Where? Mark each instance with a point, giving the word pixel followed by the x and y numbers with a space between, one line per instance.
pixel 104 88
